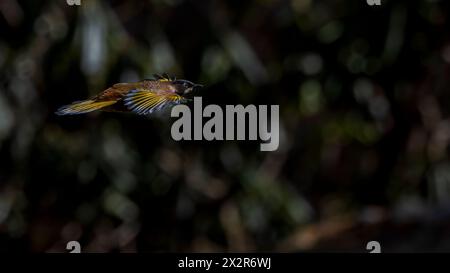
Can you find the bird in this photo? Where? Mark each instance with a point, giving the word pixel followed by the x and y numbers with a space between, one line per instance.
pixel 143 98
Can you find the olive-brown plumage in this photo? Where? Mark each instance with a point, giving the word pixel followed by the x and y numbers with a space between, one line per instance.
pixel 142 97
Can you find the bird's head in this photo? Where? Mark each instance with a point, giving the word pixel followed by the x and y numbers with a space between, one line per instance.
pixel 185 87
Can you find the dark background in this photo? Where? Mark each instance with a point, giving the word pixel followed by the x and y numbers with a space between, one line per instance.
pixel 364 119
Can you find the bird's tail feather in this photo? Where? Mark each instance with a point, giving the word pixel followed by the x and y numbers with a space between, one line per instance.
pixel 82 107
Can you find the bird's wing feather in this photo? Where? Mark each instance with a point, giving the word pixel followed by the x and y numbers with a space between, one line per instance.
pixel 163 78
pixel 144 102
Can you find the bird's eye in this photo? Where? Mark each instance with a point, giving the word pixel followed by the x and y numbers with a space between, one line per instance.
pixel 184 83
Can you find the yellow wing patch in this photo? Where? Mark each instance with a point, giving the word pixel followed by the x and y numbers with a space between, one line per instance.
pixel 146 102
pixel 82 107
pixel 163 78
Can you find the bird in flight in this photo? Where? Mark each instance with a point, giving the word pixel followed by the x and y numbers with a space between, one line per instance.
pixel 142 98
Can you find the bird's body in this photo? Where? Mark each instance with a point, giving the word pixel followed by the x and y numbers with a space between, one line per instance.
pixel 142 97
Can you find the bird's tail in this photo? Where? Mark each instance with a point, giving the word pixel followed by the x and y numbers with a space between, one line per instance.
pixel 82 107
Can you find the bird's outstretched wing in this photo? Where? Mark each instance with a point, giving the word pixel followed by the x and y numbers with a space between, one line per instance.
pixel 144 102
pixel 164 77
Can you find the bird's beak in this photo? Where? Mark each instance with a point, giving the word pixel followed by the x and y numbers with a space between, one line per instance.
pixel 196 86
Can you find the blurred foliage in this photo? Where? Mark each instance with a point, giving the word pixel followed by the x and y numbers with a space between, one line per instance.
pixel 364 119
